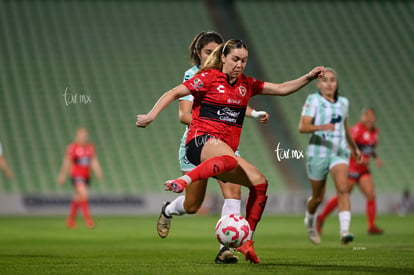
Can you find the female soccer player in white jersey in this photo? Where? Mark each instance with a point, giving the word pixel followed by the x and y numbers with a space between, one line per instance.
pixel 325 116
pixel 221 92
pixel 200 48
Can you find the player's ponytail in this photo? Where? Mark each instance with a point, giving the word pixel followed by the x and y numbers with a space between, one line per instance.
pixel 214 59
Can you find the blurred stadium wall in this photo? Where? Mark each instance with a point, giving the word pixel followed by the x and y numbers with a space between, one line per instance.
pixel 124 54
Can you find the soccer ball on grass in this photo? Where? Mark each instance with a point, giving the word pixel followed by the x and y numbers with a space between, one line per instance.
pixel 232 230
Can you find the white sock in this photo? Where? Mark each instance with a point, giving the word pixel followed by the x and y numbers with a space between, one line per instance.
pixel 231 206
pixel 344 221
pixel 176 207
pixel 309 219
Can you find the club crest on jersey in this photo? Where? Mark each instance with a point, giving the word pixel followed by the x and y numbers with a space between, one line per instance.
pixel 197 84
pixel 242 90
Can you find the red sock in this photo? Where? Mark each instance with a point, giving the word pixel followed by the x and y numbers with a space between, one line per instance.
pixel 330 206
pixel 212 167
pixel 256 204
pixel 73 209
pixel 371 212
pixel 84 205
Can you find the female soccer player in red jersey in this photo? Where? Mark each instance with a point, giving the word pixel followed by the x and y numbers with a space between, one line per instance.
pixel 221 92
pixel 366 136
pixel 79 159
pixel 201 47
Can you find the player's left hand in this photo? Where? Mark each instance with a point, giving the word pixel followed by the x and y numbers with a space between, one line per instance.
pixel 261 115
pixel 358 156
pixel 143 120
pixel 264 118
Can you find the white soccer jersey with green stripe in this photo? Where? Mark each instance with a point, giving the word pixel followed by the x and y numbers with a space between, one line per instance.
pixel 327 143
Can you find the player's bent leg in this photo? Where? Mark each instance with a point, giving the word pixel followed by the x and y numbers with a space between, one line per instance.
pixel 194 196
pixel 82 196
pixel 249 176
pixel 232 202
pixel 188 204
pixel 367 187
pixel 208 168
pixel 330 206
pixel 340 176
pixel 310 221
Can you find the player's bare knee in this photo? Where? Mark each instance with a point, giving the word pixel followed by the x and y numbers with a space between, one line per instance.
pixel 230 162
pixel 342 191
pixel 257 178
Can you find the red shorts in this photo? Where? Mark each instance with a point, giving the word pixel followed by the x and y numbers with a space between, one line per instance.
pixel 80 180
pixel 355 176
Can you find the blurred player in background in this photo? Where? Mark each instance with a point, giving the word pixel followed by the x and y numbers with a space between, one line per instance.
pixel 80 158
pixel 221 93
pixel 3 164
pixel 200 48
pixel 365 135
pixel 325 115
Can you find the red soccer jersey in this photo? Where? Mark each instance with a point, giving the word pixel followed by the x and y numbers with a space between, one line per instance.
pixel 366 140
pixel 81 156
pixel 218 107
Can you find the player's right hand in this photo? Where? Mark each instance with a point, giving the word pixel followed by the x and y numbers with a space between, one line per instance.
pixel 143 120
pixel 328 127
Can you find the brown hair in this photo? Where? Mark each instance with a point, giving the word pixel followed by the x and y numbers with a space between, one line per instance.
pixel 199 42
pixel 214 59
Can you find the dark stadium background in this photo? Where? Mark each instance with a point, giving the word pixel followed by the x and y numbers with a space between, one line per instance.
pixel 118 57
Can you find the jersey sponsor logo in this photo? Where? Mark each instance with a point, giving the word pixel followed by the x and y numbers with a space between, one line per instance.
pixel 336 119
pixel 197 84
pixel 227 114
pixel 233 115
pixel 242 90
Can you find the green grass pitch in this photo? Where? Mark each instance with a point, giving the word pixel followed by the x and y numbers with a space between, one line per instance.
pixel 130 245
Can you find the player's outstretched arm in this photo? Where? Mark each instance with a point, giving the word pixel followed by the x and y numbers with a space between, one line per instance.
pixel 145 119
pixel 292 86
